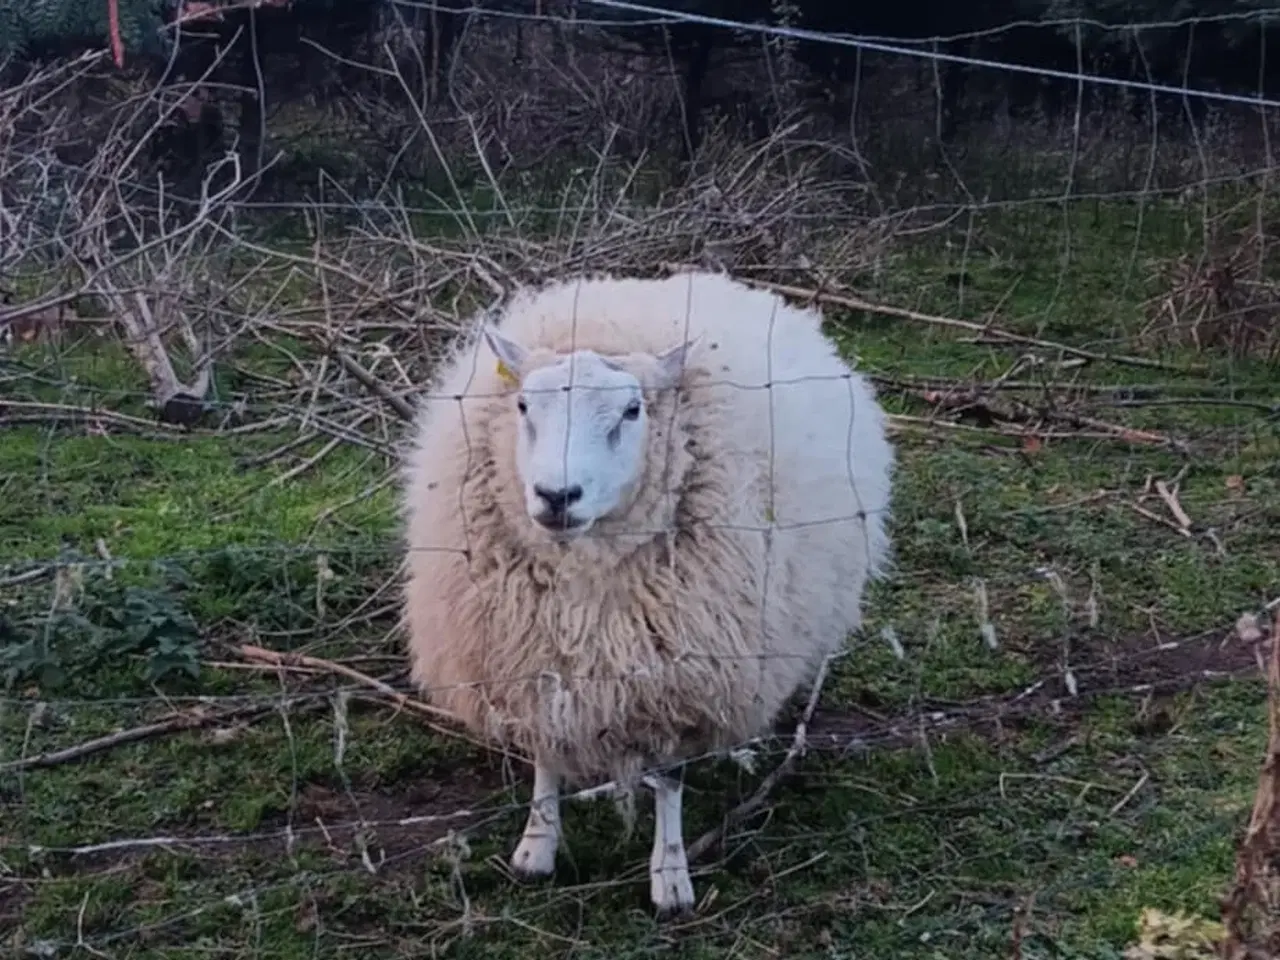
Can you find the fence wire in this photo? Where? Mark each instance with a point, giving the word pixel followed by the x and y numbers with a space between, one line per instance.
pixel 211 740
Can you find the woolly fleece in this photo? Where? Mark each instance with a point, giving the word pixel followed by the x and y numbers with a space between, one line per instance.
pixel 685 624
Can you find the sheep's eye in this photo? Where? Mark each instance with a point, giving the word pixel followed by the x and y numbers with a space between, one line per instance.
pixel 522 406
pixel 632 412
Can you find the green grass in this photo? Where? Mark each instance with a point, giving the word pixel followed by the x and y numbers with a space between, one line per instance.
pixel 908 833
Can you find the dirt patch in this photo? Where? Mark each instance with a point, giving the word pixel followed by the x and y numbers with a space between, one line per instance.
pixel 1136 666
pixel 391 828
pixel 404 822
pixel 1161 660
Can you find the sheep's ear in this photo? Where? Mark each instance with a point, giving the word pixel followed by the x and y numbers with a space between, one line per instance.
pixel 671 362
pixel 511 356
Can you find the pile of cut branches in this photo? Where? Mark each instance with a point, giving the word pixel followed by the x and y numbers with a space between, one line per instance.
pixel 1224 298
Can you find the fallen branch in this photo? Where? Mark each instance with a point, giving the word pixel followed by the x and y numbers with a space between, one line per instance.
pixel 174 724
pixel 376 386
pixel 757 800
pixel 1129 434
pixel 857 303
pixel 11 315
pixel 1023 416
pixel 287 834
pixel 27 576
pixel 72 412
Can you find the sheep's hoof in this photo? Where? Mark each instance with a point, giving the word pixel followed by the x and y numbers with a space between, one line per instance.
pixel 534 858
pixel 672 894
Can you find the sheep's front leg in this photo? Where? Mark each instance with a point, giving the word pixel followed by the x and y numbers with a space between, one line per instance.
pixel 670 888
pixel 536 854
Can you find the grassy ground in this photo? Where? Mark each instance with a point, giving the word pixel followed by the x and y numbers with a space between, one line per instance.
pixel 961 796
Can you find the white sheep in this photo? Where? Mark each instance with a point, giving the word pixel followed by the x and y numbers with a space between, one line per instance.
pixel 647 566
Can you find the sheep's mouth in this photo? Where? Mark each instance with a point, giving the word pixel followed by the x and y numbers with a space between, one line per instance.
pixel 560 523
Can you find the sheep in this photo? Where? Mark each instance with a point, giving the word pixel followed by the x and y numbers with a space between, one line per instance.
pixel 646 567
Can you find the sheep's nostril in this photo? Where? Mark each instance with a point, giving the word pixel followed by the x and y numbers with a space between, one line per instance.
pixel 558 501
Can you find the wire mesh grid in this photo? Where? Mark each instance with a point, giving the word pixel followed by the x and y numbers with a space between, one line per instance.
pixel 1051 717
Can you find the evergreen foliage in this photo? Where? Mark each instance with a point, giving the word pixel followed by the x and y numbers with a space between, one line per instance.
pixel 39 28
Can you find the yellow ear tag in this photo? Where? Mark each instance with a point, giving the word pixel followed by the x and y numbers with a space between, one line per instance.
pixel 507 375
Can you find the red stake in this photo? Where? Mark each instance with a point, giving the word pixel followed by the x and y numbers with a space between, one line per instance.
pixel 113 29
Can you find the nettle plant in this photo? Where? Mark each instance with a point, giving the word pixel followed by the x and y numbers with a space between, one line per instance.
pixel 99 623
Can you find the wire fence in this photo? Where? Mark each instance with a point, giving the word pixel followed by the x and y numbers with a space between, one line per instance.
pixel 211 738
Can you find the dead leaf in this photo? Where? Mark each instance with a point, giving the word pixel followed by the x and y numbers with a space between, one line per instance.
pixel 224 735
pixel 1163 936
pixel 1247 628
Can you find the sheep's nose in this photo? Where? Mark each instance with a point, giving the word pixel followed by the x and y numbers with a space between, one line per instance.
pixel 558 501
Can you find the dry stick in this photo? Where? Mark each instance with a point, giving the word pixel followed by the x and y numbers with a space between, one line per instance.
pixel 1164 521
pixel 1170 498
pixel 27 576
pixel 262 459
pixel 376 386
pixel 333 510
pixel 301 468
pixel 757 799
pixel 10 315
pixel 1131 434
pixel 175 724
pixel 857 303
pixel 1256 848
pixel 71 411
pixel 1029 415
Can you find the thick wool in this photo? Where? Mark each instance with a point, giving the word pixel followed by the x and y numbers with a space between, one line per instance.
pixel 686 623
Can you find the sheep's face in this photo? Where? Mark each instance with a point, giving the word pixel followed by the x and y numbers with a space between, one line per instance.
pixel 582 431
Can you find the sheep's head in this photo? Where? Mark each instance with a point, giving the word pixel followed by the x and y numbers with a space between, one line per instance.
pixel 584 427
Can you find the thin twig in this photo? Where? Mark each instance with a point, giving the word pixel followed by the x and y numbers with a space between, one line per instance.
pixel 298 469
pixel 262 459
pixel 1133 792
pixel 757 799
pixel 1163 521
pixel 292 660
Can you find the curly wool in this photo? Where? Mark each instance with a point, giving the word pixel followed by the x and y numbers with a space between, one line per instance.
pixel 685 624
